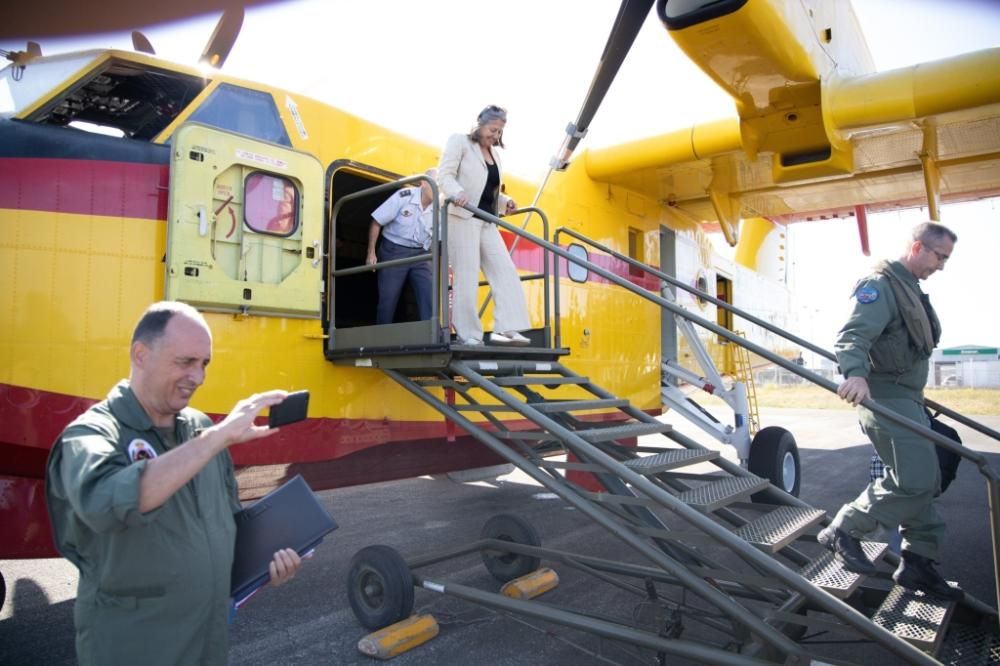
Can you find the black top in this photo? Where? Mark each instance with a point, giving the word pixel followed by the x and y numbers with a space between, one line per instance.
pixel 488 201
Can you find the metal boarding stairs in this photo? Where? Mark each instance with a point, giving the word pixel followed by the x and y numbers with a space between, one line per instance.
pixel 772 595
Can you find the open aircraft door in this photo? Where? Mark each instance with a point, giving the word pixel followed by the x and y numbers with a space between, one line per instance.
pixel 245 225
pixel 353 336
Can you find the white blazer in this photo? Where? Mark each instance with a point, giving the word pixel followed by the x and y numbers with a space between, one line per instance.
pixel 463 169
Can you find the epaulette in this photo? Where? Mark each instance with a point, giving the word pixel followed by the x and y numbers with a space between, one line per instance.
pixel 405 192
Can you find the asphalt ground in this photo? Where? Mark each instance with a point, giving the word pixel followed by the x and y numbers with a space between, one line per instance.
pixel 310 622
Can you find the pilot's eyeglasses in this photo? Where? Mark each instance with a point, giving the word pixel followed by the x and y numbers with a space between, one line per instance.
pixel 941 257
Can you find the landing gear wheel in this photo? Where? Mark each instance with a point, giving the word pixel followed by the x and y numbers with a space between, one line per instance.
pixel 379 587
pixel 506 566
pixel 3 591
pixel 774 455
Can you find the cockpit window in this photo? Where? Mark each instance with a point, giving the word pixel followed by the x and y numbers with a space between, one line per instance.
pixel 243 111
pixel 139 101
pixel 20 87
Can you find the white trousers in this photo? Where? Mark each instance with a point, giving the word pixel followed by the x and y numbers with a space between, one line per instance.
pixel 474 245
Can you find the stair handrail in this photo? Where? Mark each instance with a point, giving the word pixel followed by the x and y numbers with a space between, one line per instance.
pixel 439 242
pixel 985 469
pixel 791 337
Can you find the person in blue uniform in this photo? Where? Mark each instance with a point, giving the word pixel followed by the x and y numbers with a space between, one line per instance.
pixel 883 353
pixel 141 495
pixel 405 225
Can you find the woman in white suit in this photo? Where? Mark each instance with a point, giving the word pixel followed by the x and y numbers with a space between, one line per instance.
pixel 470 173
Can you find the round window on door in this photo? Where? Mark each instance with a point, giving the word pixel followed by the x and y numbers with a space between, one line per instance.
pixel 272 204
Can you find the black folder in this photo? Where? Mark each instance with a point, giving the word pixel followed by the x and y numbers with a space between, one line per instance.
pixel 287 517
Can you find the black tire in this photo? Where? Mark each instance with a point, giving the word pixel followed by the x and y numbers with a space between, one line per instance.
pixel 774 455
pixel 379 587
pixel 3 591
pixel 506 566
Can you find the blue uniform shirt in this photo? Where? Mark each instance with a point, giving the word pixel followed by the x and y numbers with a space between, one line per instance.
pixel 404 220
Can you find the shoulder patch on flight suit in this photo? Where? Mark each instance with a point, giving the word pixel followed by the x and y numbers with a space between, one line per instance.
pixel 866 295
pixel 140 449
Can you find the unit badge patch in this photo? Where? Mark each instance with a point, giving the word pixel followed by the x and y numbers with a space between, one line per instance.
pixel 867 295
pixel 140 449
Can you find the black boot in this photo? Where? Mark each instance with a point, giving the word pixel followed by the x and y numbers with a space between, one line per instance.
pixel 847 549
pixel 916 572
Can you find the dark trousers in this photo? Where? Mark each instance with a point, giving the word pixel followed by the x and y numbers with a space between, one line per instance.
pixel 391 281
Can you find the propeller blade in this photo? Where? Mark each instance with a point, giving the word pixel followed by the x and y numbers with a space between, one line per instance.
pixel 223 38
pixel 141 44
pixel 631 16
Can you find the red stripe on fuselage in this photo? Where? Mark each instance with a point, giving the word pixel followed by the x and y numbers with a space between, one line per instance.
pixel 140 190
pixel 528 256
pixel 32 419
pixel 84 187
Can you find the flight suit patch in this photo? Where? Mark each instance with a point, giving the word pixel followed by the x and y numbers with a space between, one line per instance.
pixel 866 295
pixel 140 449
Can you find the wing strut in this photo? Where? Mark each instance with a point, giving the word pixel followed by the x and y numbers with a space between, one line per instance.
pixel 861 212
pixel 631 16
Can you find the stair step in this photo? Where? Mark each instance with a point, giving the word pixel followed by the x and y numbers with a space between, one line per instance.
pixel 573 405
pixel 970 645
pixel 672 459
pixel 591 435
pixel 550 407
pixel 726 490
pixel 543 381
pixel 448 383
pixel 502 352
pixel 828 574
pixel 483 408
pixel 609 433
pixel 915 617
pixel 775 530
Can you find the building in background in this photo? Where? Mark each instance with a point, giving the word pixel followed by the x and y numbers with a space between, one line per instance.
pixel 969 366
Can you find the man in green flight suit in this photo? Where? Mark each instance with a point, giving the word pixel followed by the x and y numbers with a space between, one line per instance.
pixel 883 353
pixel 141 495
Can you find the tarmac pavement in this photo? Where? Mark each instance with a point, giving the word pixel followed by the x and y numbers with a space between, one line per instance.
pixel 309 621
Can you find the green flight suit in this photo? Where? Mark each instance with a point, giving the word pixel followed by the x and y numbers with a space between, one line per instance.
pixel 875 344
pixel 154 587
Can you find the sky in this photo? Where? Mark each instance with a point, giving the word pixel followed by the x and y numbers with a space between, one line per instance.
pixel 426 69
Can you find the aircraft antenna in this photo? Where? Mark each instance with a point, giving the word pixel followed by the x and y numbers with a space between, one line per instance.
pixel 20 59
pixel 141 43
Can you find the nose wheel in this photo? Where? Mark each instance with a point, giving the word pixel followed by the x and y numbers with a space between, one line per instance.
pixel 774 455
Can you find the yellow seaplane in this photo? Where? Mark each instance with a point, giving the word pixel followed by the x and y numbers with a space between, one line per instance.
pixel 253 203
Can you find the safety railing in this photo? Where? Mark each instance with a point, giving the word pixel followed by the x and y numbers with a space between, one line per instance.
pixel 439 243
pixel 978 459
pixel 438 252
pixel 519 233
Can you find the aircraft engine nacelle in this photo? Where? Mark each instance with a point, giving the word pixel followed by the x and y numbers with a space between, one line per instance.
pixel 771 56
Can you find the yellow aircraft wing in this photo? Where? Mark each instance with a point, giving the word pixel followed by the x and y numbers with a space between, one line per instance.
pixel 818 133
